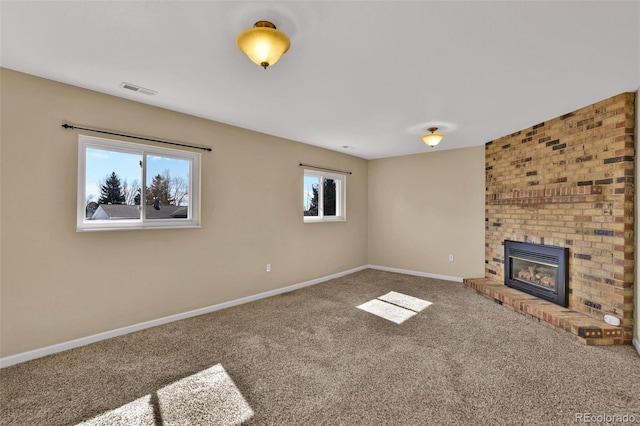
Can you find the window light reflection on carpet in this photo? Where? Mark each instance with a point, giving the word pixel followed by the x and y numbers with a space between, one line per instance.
pixel 207 397
pixel 395 307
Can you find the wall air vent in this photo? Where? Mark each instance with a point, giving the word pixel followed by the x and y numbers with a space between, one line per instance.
pixel 139 89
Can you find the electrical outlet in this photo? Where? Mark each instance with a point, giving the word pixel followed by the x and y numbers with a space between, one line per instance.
pixel 450 258
pixel 268 267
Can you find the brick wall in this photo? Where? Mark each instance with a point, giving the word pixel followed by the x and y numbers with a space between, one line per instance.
pixel 569 182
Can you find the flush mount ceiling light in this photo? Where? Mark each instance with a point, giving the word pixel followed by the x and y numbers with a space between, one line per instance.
pixel 263 44
pixel 432 139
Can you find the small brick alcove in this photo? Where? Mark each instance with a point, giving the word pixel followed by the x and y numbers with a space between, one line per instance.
pixel 568 182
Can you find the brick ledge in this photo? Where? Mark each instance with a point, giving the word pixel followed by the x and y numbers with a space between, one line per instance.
pixel 567 194
pixel 580 327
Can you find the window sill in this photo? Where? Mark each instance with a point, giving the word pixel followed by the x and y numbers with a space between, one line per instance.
pixel 324 220
pixel 134 228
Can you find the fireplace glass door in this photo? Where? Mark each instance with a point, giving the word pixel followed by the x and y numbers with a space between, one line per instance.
pixel 533 272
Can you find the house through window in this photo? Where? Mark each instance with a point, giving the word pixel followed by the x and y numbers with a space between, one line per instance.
pixel 324 196
pixel 124 185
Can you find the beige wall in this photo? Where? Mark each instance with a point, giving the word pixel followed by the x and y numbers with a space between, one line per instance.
pixel 59 285
pixel 424 207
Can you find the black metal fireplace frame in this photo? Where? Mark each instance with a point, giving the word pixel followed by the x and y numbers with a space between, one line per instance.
pixel 542 254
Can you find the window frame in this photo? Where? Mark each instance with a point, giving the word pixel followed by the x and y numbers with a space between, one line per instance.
pixel 341 197
pixel 193 216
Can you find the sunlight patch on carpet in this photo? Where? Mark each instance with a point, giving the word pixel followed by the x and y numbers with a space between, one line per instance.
pixel 395 307
pixel 208 397
pixel 387 311
pixel 138 412
pixel 407 302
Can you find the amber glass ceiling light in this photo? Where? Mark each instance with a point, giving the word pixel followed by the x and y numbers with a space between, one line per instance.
pixel 432 139
pixel 263 43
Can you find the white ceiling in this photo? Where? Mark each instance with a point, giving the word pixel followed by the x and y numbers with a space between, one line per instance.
pixel 372 75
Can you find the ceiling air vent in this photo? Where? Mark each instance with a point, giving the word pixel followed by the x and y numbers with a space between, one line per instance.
pixel 139 89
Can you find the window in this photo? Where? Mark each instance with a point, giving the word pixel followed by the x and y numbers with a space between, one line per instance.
pixel 324 197
pixel 124 185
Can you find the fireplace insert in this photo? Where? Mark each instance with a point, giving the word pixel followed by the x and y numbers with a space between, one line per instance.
pixel 539 270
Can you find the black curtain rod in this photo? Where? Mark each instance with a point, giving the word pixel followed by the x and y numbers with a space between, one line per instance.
pixel 69 126
pixel 324 168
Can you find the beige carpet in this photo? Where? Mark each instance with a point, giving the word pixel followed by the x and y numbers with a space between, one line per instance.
pixel 311 357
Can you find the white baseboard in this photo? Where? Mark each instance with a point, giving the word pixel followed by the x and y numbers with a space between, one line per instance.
pixel 60 347
pixel 417 273
pixel 636 343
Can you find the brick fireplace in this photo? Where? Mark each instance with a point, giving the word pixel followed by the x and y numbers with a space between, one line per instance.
pixel 569 182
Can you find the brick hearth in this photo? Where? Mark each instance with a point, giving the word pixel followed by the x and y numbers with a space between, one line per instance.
pixel 581 327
